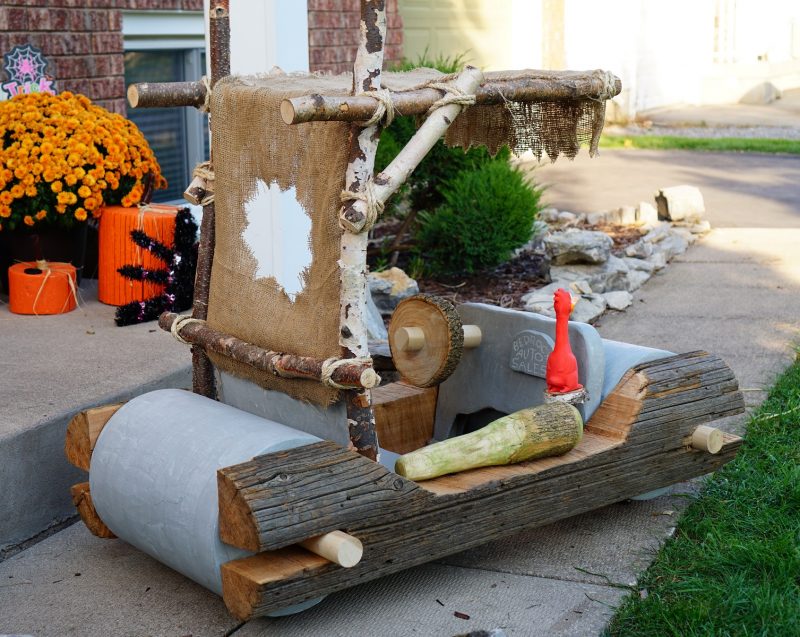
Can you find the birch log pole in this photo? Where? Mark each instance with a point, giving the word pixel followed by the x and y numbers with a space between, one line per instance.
pixel 353 258
pixel 389 180
pixel 219 28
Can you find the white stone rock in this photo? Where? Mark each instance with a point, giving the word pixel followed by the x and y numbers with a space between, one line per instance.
pixel 596 218
pixel 641 249
pixel 588 308
pixel 614 217
pixel 680 202
pixel 686 233
pixel 604 277
pixel 646 214
pixel 548 215
pixel 658 233
pixel 636 279
pixel 618 300
pixel 639 264
pixel 673 245
pixel 544 294
pixel 389 287
pixel 567 218
pixel 701 228
pixel 376 328
pixel 658 259
pixel 578 246
pixel 627 215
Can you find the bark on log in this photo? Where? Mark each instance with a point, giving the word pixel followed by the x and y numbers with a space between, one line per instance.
pixel 82 499
pixel 166 94
pixel 355 374
pixel 443 342
pixel 546 430
pixel 620 456
pixel 548 86
pixel 83 431
pixel 353 246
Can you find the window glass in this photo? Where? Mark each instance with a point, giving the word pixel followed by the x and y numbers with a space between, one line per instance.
pixel 173 133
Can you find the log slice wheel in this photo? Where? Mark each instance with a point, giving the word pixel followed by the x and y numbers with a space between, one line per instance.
pixel 442 343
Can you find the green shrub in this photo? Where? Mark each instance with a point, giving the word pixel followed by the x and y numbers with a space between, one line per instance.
pixel 487 213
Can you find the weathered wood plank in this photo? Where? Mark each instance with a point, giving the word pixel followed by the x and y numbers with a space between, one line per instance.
pixel 261 586
pixel 83 431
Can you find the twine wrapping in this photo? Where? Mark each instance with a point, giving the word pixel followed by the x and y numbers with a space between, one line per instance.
pixel 206 106
pixel 374 205
pixel 204 171
pixel 180 321
pixel 452 95
pixel 330 365
pixel 384 110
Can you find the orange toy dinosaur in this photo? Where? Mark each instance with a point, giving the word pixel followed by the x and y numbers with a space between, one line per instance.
pixel 561 373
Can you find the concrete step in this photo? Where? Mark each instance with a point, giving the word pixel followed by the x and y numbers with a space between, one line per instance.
pixel 52 367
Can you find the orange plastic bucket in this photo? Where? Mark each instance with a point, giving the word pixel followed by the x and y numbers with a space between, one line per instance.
pixel 116 248
pixel 42 287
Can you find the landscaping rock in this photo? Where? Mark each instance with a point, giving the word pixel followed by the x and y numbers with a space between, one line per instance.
pixel 605 277
pixel 567 218
pixel 646 214
pixel 640 250
pixel 618 300
pixel 673 245
pixel 636 279
pixel 376 329
pixel 390 287
pixel 680 202
pixel 658 260
pixel 700 228
pixel 588 308
pixel 686 233
pixel 645 265
pixel 578 246
pixel 627 215
pixel 548 215
pixel 658 233
pixel 596 218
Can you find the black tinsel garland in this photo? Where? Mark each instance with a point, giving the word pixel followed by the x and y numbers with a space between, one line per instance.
pixel 177 276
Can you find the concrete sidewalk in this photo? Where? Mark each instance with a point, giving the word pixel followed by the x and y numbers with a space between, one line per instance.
pixel 737 293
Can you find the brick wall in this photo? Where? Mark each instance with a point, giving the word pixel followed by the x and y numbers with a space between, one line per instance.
pixel 333 34
pixel 82 39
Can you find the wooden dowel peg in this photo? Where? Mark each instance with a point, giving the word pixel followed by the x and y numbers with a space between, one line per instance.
pixel 707 438
pixel 412 339
pixel 472 336
pixel 336 546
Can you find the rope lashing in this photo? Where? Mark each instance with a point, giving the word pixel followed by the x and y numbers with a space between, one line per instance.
pixel 370 198
pixel 205 172
pixel 384 110
pixel 179 323
pixel 330 365
pixel 206 106
pixel 452 95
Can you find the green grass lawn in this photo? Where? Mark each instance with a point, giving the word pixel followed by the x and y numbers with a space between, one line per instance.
pixel 725 144
pixel 733 566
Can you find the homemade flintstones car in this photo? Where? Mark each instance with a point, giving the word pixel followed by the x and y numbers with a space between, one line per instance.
pixel 272 495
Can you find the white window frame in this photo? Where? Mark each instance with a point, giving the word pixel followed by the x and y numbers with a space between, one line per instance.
pixel 164 30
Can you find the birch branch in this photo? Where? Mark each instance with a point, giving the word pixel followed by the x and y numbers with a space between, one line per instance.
pixel 547 86
pixel 386 183
pixel 353 255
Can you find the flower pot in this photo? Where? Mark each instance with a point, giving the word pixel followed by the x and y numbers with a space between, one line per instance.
pixel 66 246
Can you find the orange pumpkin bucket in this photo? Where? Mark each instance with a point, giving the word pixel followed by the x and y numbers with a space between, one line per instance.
pixel 116 248
pixel 42 287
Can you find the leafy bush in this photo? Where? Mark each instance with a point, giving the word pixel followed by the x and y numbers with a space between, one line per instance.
pixel 487 213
